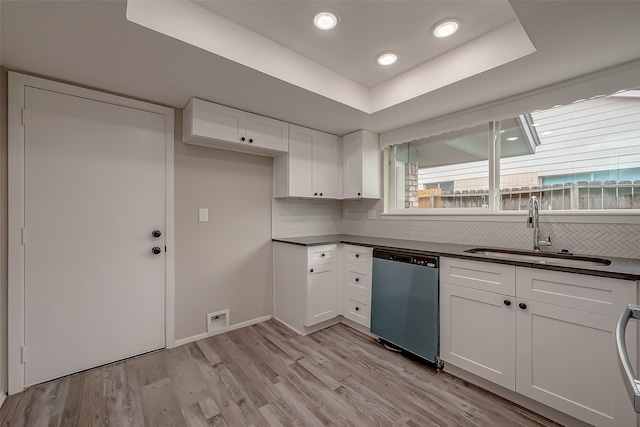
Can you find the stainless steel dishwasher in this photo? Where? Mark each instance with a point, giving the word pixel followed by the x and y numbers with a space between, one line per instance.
pixel 405 302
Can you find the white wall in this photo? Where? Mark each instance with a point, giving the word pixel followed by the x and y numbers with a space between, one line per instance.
pixel 226 262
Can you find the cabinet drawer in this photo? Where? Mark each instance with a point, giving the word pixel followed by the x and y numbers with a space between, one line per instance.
pixel 357 279
pixel 321 254
pixel 359 255
pixel 485 276
pixel 357 308
pixel 579 291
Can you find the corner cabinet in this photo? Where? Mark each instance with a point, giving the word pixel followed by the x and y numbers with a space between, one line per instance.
pixel 551 339
pixel 216 126
pixel 361 167
pixel 305 284
pixel 310 168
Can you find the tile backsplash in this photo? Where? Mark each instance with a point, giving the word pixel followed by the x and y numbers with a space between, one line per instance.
pixel 303 217
pixel 292 218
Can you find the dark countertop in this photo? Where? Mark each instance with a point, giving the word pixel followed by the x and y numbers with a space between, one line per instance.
pixel 620 268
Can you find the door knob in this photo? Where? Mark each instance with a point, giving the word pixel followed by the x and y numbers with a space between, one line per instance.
pixel 156 233
pixel 156 250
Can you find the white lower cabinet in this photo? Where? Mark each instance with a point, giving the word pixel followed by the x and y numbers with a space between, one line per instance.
pixel 555 346
pixel 322 302
pixel 305 285
pixel 567 359
pixel 357 265
pixel 477 333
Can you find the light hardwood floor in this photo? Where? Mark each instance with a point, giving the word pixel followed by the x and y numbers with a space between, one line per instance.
pixel 265 375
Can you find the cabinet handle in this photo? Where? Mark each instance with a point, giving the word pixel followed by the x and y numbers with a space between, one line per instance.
pixel 507 302
pixel 311 270
pixel 357 255
pixel 242 139
pixel 250 140
pixel 357 279
pixel 522 306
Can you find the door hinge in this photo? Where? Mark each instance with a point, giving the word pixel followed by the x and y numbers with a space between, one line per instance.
pixel 24 117
pixel 24 236
pixel 23 354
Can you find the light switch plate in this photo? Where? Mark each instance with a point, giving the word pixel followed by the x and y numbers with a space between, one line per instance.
pixel 203 215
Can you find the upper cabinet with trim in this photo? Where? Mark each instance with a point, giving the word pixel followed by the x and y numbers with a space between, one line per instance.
pixel 310 169
pixel 217 126
pixel 361 166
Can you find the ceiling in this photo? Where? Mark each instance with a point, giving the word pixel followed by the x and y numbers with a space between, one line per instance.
pixel 92 43
pixel 366 30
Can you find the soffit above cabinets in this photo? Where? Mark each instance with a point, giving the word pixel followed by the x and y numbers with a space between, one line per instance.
pixel 278 38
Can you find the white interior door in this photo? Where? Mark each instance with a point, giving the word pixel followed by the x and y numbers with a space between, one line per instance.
pixel 94 191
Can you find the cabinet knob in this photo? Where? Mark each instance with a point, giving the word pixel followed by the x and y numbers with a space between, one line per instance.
pixel 315 194
pixel 321 194
pixel 357 279
pixel 507 302
pixel 156 233
pixel 250 140
pixel 357 308
pixel 522 306
pixel 322 255
pixel 311 270
pixel 156 250
pixel 359 194
pixel 242 139
pixel 357 255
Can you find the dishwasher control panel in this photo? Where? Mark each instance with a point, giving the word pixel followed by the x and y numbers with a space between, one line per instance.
pixel 415 258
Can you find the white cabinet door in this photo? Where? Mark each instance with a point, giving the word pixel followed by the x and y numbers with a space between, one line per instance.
pixel 215 121
pixel 300 177
pixel 267 133
pixel 352 166
pixel 322 302
pixel 326 165
pixel 362 170
pixel 567 360
pixel 477 332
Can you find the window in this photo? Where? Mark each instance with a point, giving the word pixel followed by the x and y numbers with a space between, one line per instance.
pixel 582 156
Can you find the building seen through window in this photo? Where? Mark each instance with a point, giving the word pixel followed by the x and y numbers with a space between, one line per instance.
pixel 581 156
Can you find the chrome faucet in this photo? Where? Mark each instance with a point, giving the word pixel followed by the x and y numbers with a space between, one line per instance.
pixel 533 221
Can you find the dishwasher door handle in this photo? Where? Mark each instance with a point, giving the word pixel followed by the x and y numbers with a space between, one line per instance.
pixel 630 381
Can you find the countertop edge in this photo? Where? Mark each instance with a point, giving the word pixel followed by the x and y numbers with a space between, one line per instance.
pixel 610 272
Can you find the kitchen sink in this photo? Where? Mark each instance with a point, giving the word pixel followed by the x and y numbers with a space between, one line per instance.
pixel 542 258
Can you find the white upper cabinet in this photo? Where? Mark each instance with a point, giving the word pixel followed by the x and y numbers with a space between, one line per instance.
pixel 310 169
pixel 361 166
pixel 217 126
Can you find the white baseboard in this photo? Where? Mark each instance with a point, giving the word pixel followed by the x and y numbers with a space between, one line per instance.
pixel 230 328
pixel 3 396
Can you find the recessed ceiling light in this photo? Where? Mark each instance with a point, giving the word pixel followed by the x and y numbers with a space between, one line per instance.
pixel 387 58
pixel 512 138
pixel 326 20
pixel 445 28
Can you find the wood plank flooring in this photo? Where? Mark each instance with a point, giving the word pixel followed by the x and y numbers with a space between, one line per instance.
pixel 265 375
